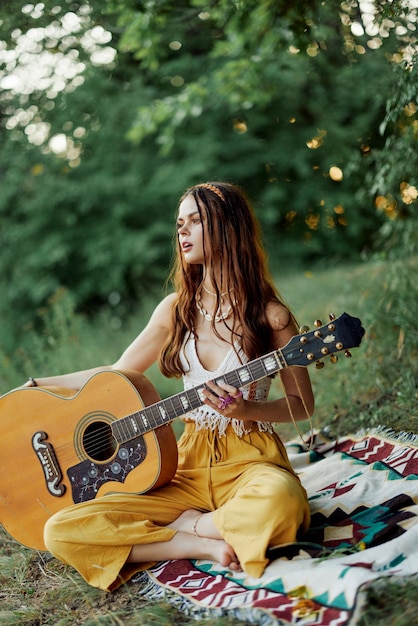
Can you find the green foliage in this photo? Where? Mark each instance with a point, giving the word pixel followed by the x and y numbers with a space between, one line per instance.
pixel 397 186
pixel 379 386
pixel 90 229
pixel 265 94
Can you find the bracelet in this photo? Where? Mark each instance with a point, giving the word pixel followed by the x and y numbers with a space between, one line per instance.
pixel 33 381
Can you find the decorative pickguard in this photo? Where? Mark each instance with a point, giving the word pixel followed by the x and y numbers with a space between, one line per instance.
pixel 87 477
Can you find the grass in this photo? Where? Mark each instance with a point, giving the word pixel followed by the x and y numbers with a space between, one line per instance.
pixel 377 386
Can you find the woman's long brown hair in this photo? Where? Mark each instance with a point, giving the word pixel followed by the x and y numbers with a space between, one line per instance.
pixel 238 253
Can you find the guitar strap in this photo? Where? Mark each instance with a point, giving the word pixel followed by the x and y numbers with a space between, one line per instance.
pixel 308 445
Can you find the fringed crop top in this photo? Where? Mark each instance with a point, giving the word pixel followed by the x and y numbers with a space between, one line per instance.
pixel 205 417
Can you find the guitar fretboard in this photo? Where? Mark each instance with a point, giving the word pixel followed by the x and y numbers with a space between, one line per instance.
pixel 180 404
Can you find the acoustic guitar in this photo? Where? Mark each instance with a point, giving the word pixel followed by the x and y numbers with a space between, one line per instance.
pixel 114 435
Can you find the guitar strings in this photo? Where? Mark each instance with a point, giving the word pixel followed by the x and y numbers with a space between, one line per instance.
pixel 95 442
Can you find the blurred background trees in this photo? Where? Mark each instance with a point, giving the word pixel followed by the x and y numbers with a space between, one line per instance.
pixel 109 109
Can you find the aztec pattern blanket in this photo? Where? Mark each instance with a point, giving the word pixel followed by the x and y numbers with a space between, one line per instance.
pixel 363 493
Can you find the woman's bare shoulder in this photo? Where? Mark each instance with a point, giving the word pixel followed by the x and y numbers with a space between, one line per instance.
pixel 162 312
pixel 278 315
pixel 169 301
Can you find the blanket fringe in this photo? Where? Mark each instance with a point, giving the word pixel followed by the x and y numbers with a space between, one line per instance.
pixel 155 593
pixel 390 434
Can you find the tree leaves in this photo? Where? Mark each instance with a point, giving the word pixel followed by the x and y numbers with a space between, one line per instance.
pixel 271 95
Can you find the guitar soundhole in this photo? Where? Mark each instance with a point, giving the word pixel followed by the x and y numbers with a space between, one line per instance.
pixel 98 441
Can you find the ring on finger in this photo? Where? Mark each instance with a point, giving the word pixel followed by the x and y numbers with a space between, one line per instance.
pixel 228 400
pixel 225 401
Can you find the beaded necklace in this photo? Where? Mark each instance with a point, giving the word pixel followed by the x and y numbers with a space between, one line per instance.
pixel 219 316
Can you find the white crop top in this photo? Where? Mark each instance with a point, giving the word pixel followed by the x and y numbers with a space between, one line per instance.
pixel 205 417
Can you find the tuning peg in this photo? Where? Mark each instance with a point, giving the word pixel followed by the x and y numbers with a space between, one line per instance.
pixel 304 329
pixel 347 353
pixel 331 317
pixel 317 323
pixel 333 358
pixel 319 365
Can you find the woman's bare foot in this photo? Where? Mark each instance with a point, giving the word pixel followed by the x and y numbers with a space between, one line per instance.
pixel 187 546
pixel 223 554
pixel 196 538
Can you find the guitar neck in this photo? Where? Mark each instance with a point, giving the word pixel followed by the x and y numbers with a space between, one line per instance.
pixel 165 411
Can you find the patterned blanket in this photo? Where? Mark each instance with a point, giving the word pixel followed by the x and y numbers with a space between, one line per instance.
pixel 363 493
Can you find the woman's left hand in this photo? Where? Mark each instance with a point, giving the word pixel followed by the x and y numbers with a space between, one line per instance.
pixel 224 398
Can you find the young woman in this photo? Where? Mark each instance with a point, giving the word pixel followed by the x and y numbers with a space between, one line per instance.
pixel 234 493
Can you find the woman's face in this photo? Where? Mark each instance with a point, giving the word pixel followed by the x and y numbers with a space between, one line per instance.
pixel 190 229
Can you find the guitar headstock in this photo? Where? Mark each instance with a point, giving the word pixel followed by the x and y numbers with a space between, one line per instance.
pixel 339 335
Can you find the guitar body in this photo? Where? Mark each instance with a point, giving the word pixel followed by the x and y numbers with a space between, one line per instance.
pixel 57 448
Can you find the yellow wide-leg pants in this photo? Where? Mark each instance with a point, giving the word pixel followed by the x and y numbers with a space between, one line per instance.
pixel 246 481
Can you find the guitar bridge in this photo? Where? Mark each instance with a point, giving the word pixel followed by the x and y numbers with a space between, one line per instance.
pixel 48 460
